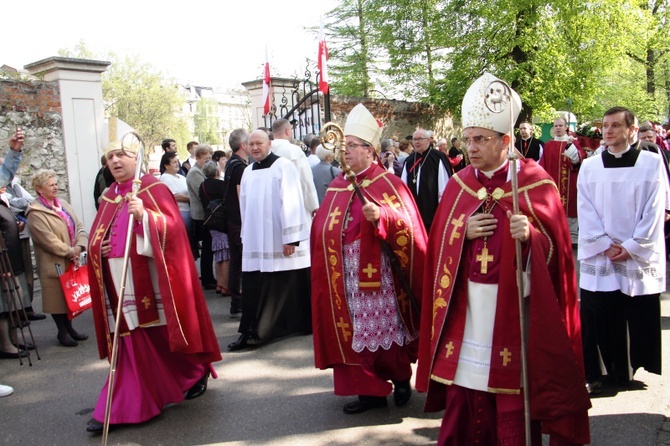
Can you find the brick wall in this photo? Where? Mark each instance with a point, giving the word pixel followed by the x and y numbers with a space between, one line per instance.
pixel 35 106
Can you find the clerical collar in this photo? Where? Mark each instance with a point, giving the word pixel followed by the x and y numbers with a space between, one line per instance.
pixel 359 174
pixel 618 154
pixel 489 174
pixel 266 162
pixel 561 138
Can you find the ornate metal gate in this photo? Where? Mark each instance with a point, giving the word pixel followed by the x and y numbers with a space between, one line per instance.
pixel 302 105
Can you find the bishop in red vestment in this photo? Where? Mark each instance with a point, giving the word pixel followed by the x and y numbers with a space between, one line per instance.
pixel 365 319
pixel 562 158
pixel 167 341
pixel 470 342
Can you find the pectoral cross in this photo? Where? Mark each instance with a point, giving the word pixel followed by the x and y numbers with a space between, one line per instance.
pixel 484 258
pixel 333 218
pixel 507 356
pixel 450 349
pixel 147 302
pixel 343 326
pixel 369 270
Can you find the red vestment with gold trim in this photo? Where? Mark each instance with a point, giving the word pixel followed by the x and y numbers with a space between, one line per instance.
pixel 563 172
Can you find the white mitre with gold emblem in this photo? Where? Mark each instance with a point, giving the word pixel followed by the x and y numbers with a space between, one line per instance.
pixel 362 124
pixel 491 104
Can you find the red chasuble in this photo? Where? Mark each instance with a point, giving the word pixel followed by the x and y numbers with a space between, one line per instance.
pixel 399 224
pixel 558 396
pixel 563 172
pixel 189 325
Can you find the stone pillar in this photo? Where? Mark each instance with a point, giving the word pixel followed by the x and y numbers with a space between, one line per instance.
pixel 83 124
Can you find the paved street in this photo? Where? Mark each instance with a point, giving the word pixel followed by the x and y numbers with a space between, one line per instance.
pixel 270 395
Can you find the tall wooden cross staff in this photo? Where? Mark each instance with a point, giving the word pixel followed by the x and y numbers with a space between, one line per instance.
pixel 505 91
pixel 135 140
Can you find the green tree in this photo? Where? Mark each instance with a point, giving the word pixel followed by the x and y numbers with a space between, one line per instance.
pixel 351 49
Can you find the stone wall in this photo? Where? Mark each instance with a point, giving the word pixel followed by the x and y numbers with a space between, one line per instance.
pixel 400 118
pixel 35 106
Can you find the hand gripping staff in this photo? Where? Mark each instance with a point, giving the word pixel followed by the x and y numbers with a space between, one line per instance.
pixel 133 142
pixel 332 138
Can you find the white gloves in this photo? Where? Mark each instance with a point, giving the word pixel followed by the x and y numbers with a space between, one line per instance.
pixel 572 153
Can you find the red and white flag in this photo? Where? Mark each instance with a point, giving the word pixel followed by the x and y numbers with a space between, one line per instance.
pixel 266 85
pixel 321 63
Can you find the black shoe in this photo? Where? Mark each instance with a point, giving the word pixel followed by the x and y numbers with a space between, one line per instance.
pixel 66 341
pixel 594 387
pixel 95 426
pixel 77 336
pixel 401 392
pixel 209 286
pixel 26 346
pixel 198 388
pixel 365 403
pixel 32 316
pixel 17 355
pixel 239 344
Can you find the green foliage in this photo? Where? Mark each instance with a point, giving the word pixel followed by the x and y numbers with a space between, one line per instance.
pixel 590 54
pixel 206 123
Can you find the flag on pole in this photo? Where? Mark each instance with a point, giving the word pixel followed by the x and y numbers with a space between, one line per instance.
pixel 266 84
pixel 321 63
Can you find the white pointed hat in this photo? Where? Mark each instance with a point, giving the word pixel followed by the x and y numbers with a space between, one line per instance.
pixel 362 124
pixel 116 129
pixel 487 104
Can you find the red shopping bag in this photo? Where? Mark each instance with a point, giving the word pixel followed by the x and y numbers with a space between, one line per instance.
pixel 76 290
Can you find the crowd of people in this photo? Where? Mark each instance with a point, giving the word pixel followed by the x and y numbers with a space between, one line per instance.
pixel 390 252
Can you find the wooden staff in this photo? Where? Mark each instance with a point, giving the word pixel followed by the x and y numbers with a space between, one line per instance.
pixel 122 287
pixel 513 157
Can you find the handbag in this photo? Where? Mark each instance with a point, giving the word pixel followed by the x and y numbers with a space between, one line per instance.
pixel 76 289
pixel 216 218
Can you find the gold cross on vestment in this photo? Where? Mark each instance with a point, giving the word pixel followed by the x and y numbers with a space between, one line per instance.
pixel 147 302
pixel 458 223
pixel 343 326
pixel 99 234
pixel 391 201
pixel 333 218
pixel 484 258
pixel 369 270
pixel 450 349
pixel 507 356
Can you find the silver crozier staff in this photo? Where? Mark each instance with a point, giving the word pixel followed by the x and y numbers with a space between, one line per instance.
pixel 513 157
pixel 135 139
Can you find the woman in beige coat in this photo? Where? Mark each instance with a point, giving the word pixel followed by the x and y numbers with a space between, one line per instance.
pixel 59 238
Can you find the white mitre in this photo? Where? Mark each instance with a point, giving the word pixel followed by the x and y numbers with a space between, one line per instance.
pixel 362 124
pixel 487 104
pixel 117 129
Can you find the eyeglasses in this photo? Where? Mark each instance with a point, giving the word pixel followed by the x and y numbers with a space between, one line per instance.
pixel 419 139
pixel 353 145
pixel 478 140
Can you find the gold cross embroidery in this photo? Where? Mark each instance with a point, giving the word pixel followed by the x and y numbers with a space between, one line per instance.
pixel 343 326
pixel 484 258
pixel 507 356
pixel 369 270
pixel 450 349
pixel 333 218
pixel 99 234
pixel 147 302
pixel 458 223
pixel 391 201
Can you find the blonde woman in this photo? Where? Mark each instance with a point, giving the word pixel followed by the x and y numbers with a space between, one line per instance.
pixel 58 237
